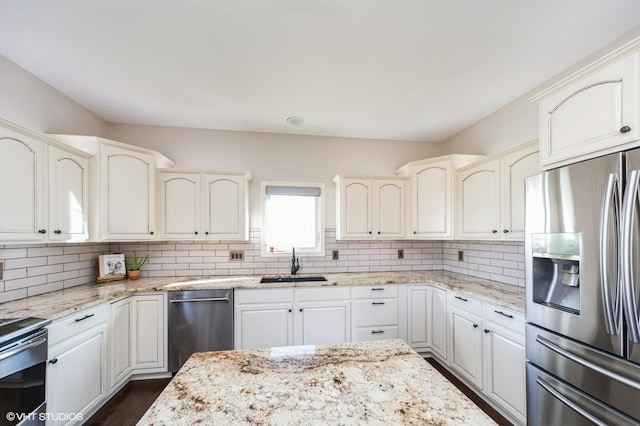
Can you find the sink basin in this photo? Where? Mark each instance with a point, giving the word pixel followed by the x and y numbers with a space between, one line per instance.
pixel 291 279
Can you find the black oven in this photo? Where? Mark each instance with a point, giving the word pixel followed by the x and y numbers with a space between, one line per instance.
pixel 23 357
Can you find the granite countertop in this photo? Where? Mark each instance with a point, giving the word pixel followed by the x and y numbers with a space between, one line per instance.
pixel 380 382
pixel 63 302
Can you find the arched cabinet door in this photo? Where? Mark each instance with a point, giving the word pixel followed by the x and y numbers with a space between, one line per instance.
pixel 127 194
pixel 225 207
pixel 68 196
pixel 179 205
pixel 22 194
pixel 479 200
pixel 591 116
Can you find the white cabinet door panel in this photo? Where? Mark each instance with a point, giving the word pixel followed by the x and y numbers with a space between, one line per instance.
pixel 179 205
pixel 322 322
pixel 224 204
pixel 149 333
pixel 356 206
pixel 389 209
pixel 264 326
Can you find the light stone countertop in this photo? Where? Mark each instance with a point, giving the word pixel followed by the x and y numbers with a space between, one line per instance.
pixel 379 382
pixel 63 302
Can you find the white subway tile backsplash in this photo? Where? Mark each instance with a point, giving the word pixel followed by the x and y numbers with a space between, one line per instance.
pixel 35 269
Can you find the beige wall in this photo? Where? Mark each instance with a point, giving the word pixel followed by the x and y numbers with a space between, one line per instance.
pixel 31 103
pixel 272 157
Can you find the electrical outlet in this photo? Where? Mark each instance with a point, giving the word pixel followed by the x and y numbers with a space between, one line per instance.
pixel 1 270
pixel 460 256
pixel 400 254
pixel 334 255
pixel 236 255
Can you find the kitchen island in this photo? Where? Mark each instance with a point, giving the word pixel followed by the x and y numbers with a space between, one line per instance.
pixel 379 382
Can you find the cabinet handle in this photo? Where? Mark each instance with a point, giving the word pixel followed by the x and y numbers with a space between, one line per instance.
pixel 379 232
pixel 206 233
pixel 625 129
pixel 462 298
pixel 53 361
pixel 290 310
pixel 370 232
pixel 506 231
pixel 42 231
pixel 475 325
pixel 377 289
pixel 486 330
pixel 503 314
pixel 196 232
pixel 150 232
pixel 377 303
pixel 494 231
pixel 415 232
pixel 377 332
pixel 300 309
pixel 57 231
pixel 85 317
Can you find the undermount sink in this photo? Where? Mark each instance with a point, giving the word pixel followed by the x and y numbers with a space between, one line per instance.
pixel 265 280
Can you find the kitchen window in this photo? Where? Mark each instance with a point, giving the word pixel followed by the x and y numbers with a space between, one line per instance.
pixel 293 217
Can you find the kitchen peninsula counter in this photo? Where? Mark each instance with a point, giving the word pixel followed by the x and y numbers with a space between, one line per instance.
pixel 380 382
pixel 63 302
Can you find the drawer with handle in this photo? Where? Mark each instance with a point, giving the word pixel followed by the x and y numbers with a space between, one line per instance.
pixel 365 334
pixel 68 326
pixel 464 301
pixel 374 291
pixel 374 312
pixel 504 317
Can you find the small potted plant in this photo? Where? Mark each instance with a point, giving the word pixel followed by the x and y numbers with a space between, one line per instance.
pixel 135 265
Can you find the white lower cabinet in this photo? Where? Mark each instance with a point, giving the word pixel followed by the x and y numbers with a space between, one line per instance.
pixel 283 317
pixel 505 355
pixel 76 369
pixel 375 313
pixel 263 318
pixel 437 321
pixel 427 314
pixel 138 342
pixel 465 337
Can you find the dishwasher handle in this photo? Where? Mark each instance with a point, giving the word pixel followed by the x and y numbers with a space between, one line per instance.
pixel 203 299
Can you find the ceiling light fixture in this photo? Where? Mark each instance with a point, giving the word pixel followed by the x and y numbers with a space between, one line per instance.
pixel 295 121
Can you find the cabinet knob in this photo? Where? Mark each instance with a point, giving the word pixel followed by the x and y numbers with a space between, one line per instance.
pixel 625 129
pixel 370 232
pixel 415 232
pixel 505 231
pixel 300 309
pixel 53 361
pixel 494 231
pixel 475 325
pixel 486 330
pixel 290 310
pixel 196 232
pixel 379 232
pixel 57 231
pixel 150 232
pixel 42 231
pixel 206 233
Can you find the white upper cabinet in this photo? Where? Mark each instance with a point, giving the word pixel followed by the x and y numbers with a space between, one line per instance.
pixel 491 194
pixel 431 200
pixel 593 112
pixel 127 194
pixel 43 188
pixel 203 205
pixel 123 181
pixel 22 195
pixel 370 207
pixel 68 196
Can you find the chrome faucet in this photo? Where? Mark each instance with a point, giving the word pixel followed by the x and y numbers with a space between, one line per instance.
pixel 295 263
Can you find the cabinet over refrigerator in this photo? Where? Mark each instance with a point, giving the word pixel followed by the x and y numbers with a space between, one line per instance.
pixel 582 265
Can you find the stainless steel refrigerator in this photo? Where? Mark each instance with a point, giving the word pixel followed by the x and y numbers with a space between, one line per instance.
pixel 582 276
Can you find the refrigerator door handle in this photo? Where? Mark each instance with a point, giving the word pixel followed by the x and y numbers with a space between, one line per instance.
pixel 609 213
pixel 587 364
pixel 629 207
pixel 566 401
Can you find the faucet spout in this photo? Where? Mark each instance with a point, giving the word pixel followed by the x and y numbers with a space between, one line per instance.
pixel 295 262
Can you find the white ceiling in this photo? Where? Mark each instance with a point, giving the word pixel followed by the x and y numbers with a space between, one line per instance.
pixel 385 69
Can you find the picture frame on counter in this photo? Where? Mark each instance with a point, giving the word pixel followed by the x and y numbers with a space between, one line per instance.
pixel 111 267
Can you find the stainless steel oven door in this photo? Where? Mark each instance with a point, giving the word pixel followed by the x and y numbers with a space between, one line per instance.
pixel 565 242
pixel 22 380
pixel 553 402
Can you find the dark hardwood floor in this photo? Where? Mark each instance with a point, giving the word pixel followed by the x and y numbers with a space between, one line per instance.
pixel 130 404
pixel 491 412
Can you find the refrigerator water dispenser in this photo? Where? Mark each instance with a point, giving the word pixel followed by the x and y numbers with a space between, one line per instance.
pixel 556 271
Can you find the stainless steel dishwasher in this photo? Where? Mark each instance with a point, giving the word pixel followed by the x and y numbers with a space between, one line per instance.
pixel 199 321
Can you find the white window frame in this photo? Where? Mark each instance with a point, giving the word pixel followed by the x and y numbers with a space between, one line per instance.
pixel 319 251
